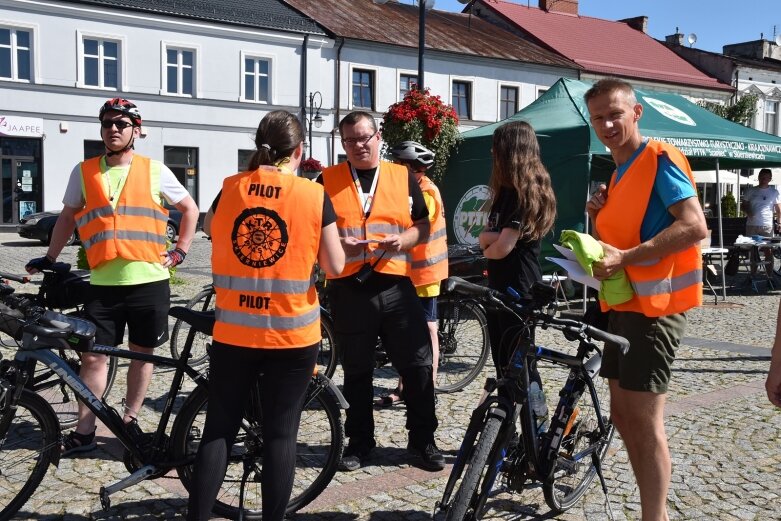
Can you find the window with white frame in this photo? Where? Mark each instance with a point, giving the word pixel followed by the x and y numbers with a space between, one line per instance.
pixel 180 71
pixel 771 117
pixel 462 99
pixel 406 83
pixel 363 89
pixel 508 101
pixel 540 92
pixel 101 63
pixel 15 54
pixel 257 72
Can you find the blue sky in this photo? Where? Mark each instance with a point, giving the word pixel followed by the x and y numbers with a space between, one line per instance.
pixel 715 22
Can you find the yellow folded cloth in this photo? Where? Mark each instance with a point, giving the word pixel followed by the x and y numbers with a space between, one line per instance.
pixel 615 289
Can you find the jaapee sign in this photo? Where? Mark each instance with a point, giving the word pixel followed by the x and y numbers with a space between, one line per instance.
pixel 21 127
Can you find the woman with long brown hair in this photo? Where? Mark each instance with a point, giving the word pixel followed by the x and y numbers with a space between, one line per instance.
pixel 523 210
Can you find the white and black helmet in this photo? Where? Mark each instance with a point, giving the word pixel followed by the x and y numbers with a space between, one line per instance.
pixel 413 153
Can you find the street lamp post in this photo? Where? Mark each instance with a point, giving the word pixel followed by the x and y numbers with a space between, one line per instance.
pixel 423 6
pixel 315 102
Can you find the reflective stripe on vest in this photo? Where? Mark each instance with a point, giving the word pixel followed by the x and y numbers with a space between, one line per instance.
pixel 429 257
pixel 135 230
pixel 671 285
pixel 390 214
pixel 265 243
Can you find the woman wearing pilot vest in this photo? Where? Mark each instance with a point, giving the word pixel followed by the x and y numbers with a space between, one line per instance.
pixel 268 229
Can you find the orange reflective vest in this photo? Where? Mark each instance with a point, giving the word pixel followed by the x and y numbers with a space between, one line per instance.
pixel 134 230
pixel 390 214
pixel 673 284
pixel 265 238
pixel 429 257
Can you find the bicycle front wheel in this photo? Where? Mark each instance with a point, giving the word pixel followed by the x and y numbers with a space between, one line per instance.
pixel 327 356
pixel 62 399
pixel 468 503
pixel 203 301
pixel 29 441
pixel 318 450
pixel 463 344
pixel 581 442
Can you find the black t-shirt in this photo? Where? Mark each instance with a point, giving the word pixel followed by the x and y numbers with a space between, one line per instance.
pixel 520 269
pixel 419 209
pixel 329 214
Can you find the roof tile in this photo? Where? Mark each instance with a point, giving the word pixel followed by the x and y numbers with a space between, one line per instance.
pixel 604 46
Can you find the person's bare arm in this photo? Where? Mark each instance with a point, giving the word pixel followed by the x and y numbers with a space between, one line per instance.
pixel 189 222
pixel 503 245
pixel 63 229
pixel 330 255
pixel 773 382
pixel 687 229
pixel 594 205
pixel 487 238
pixel 207 222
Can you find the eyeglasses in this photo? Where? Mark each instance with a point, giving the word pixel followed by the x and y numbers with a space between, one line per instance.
pixel 353 141
pixel 121 125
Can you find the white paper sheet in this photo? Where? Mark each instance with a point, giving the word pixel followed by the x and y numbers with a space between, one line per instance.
pixel 575 271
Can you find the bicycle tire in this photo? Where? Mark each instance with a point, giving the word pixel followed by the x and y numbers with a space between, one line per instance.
pixel 570 479
pixel 317 455
pixel 29 442
pixel 59 396
pixel 463 506
pixel 202 301
pixel 464 343
pixel 327 356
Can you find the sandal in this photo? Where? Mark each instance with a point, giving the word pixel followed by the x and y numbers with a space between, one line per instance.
pixel 74 442
pixel 394 397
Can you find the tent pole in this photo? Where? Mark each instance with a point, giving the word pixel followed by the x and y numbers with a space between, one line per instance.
pixel 721 234
pixel 587 231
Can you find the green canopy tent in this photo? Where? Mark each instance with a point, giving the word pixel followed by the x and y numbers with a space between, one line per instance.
pixel 575 157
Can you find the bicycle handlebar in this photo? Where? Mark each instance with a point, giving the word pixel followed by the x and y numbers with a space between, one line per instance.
pixel 532 309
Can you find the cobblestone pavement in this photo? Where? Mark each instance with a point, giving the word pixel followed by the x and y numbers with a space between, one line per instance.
pixel 725 438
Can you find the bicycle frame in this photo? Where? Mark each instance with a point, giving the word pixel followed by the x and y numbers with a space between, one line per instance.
pixel 38 352
pixel 540 450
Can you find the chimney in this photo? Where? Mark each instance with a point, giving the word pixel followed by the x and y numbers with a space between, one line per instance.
pixel 674 39
pixel 560 6
pixel 638 23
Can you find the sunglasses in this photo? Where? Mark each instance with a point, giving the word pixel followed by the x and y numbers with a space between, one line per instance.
pixel 121 125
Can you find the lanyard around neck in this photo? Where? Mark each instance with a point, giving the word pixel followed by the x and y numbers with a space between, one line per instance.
pixel 367 200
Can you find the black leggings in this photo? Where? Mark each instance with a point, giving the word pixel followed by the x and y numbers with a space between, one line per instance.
pixel 283 382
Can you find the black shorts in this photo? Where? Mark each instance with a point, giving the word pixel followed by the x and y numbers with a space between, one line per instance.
pixel 429 308
pixel 143 307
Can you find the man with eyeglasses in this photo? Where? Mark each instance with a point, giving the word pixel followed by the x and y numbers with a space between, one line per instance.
pixel 116 200
pixel 381 215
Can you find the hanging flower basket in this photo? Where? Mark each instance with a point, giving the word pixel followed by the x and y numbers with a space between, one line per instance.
pixel 310 168
pixel 426 119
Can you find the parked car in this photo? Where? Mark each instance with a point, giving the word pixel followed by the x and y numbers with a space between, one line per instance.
pixel 39 226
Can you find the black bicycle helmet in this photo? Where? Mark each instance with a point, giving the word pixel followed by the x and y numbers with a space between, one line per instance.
pixel 128 108
pixel 413 153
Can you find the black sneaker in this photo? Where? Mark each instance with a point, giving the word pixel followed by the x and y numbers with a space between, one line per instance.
pixel 354 457
pixel 430 457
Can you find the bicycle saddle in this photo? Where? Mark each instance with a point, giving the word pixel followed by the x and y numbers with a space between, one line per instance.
pixel 201 321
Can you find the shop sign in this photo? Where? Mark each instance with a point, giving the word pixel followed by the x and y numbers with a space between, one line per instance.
pixel 21 127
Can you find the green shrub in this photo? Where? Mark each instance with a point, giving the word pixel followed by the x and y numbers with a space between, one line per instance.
pixel 729 207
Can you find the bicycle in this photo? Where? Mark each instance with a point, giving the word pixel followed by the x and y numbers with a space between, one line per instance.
pixel 204 301
pixel 60 290
pixel 564 456
pixel 30 437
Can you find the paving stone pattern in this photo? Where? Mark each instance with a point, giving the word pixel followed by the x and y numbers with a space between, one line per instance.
pixel 725 438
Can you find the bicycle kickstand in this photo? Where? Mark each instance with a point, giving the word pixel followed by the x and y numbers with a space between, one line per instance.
pixel 598 468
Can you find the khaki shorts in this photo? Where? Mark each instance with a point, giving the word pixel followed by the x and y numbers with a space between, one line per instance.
pixel 647 366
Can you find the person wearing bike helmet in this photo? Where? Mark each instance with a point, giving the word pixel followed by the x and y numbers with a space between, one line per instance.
pixel 429 257
pixel 116 200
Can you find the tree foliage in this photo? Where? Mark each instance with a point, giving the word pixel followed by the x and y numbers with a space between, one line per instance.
pixel 426 119
pixel 740 111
